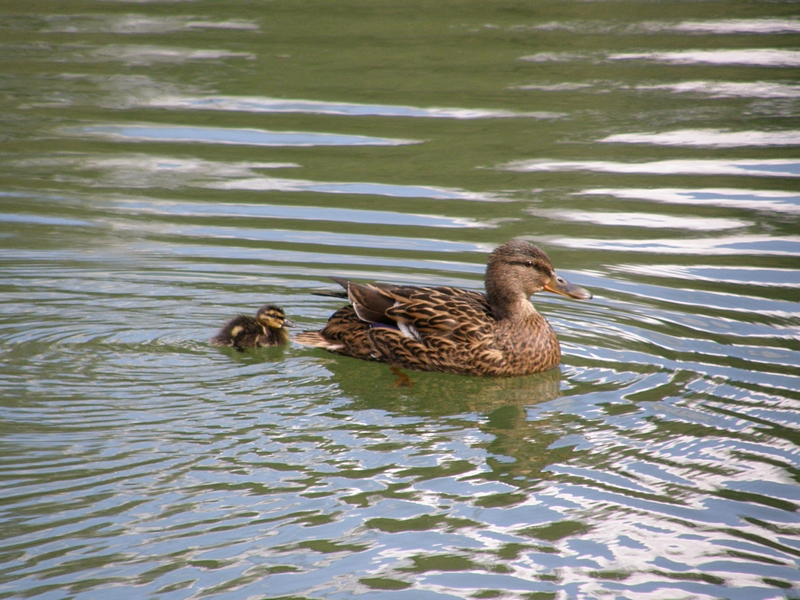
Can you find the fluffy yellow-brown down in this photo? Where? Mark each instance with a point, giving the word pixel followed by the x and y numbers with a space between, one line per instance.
pixel 267 328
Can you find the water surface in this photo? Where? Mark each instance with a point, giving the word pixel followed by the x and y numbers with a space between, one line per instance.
pixel 165 166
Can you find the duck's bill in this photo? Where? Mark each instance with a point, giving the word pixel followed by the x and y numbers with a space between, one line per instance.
pixel 559 285
pixel 287 323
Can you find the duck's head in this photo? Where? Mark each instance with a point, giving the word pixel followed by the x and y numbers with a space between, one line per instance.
pixel 518 269
pixel 272 316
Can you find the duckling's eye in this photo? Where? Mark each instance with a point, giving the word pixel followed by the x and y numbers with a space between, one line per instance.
pixel 528 263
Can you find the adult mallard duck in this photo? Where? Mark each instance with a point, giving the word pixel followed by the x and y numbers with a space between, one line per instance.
pixel 267 328
pixel 452 330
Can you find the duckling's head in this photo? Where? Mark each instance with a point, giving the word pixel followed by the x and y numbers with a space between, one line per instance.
pixel 517 270
pixel 272 316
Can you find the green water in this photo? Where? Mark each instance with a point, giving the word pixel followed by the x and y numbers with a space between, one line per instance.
pixel 167 165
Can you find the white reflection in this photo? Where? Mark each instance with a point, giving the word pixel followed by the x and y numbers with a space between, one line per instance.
pixel 761 57
pixel 42 220
pixel 647 220
pixel 220 135
pixel 262 184
pixel 258 104
pixel 713 89
pixel 741 275
pixel 144 55
pixel 647 538
pixel 302 213
pixel 764 57
pixel 146 171
pixel 137 24
pixel 555 87
pixel 776 167
pixel 645 542
pixel 729 89
pixel 787 202
pixel 708 137
pixel 728 26
pixel 719 27
pixel 304 237
pixel 754 245
pixel 554 57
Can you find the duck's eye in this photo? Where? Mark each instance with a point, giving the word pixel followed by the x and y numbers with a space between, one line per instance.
pixel 528 263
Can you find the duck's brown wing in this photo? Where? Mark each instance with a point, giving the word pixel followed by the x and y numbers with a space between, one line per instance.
pixel 436 329
pixel 461 316
pixel 370 302
pixel 429 329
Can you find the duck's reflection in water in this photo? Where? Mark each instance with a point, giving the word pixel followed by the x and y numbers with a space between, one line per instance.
pixel 493 408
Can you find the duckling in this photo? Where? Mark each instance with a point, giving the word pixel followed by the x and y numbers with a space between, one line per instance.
pixel 267 328
pixel 452 330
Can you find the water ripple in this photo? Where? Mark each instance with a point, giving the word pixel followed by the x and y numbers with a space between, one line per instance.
pixel 756 57
pixel 762 57
pixel 761 245
pixel 219 135
pixel 714 27
pixel 659 460
pixel 646 220
pixel 758 200
pixel 741 275
pixel 137 24
pixel 706 89
pixel 133 55
pixel 142 171
pixel 775 167
pixel 728 89
pixel 302 213
pixel 731 26
pixel 708 137
pixel 342 187
pixel 258 104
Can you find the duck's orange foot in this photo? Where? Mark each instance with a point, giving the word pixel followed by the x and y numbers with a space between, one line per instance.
pixel 403 380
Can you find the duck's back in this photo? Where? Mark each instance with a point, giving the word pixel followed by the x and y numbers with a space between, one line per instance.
pixel 492 348
pixel 452 330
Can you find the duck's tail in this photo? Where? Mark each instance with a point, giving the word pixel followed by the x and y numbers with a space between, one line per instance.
pixel 314 339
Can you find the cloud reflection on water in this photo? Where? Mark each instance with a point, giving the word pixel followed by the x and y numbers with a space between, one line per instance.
pixel 774 167
pixel 225 135
pixel 755 245
pixel 144 171
pixel 718 138
pixel 760 200
pixel 263 104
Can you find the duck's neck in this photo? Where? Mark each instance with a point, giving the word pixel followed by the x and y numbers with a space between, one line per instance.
pixel 509 306
pixel 506 300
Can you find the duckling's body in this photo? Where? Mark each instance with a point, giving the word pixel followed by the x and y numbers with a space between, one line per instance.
pixel 452 330
pixel 267 328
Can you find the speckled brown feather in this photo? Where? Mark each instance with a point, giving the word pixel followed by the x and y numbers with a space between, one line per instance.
pixel 453 330
pixel 344 333
pixel 464 340
pixel 467 339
